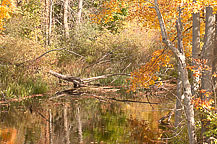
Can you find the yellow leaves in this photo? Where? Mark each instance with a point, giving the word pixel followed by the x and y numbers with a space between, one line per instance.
pixel 214 75
pixel 109 8
pixel 6 9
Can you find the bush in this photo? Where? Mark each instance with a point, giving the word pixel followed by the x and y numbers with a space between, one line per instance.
pixel 107 52
pixel 17 79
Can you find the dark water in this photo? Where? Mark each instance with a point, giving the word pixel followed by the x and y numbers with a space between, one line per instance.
pixel 74 120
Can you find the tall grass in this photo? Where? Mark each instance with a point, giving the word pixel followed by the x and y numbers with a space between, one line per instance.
pixel 98 52
pixel 105 52
pixel 25 79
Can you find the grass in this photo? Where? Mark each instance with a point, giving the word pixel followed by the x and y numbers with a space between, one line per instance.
pixel 14 83
pixel 101 52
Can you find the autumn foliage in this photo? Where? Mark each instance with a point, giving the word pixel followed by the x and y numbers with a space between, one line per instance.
pixel 147 75
pixel 7 8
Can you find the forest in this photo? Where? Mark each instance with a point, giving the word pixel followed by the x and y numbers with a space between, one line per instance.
pixel 108 71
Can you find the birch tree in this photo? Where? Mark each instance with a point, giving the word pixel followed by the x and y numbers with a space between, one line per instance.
pixel 80 6
pixel 65 18
pixel 50 21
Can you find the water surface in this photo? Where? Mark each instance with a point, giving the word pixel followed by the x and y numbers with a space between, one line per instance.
pixel 72 119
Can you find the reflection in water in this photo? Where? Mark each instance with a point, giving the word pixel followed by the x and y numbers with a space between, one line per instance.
pixel 8 135
pixel 66 125
pixel 50 127
pixel 80 121
pixel 79 125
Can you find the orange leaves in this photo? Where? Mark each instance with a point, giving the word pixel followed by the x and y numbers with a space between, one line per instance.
pixel 147 74
pixel 200 65
pixel 202 104
pixel 6 9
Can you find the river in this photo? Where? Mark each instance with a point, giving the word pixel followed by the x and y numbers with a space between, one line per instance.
pixel 81 119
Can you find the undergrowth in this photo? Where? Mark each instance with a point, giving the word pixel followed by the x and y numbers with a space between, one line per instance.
pixel 89 51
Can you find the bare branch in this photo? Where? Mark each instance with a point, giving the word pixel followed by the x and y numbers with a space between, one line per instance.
pixel 39 56
pixel 27 61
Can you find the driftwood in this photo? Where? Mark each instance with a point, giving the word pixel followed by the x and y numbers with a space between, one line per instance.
pixel 79 82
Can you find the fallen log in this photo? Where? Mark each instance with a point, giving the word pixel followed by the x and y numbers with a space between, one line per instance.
pixel 75 80
pixel 79 82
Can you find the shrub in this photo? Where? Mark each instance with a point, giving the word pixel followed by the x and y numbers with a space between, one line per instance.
pixel 17 79
pixel 107 52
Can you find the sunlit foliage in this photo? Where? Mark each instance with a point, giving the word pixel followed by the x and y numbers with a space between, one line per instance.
pixel 7 8
pixel 143 11
pixel 147 75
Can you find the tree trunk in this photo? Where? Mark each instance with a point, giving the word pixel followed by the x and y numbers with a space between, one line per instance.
pixel 50 22
pixel 184 76
pixel 65 18
pixel 207 54
pixel 46 21
pixel 207 50
pixel 80 5
pixel 178 111
pixel 195 51
pixel 214 66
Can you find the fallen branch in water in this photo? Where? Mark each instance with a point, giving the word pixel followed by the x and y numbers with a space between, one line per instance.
pixel 79 82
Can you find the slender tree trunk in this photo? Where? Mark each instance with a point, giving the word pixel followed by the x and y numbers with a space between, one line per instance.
pixel 178 112
pixel 65 18
pixel 207 54
pixel 214 66
pixel 50 21
pixel 46 21
pixel 195 51
pixel 207 50
pixel 80 5
pixel 184 76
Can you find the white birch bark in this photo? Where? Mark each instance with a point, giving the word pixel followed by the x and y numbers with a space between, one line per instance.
pixel 80 6
pixel 50 22
pixel 65 18
pixel 46 21
pixel 184 76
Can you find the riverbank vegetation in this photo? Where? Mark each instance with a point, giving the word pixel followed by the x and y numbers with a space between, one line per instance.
pixel 142 43
pixel 90 49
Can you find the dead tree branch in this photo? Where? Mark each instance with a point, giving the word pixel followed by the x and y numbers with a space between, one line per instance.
pixel 78 82
pixel 32 60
